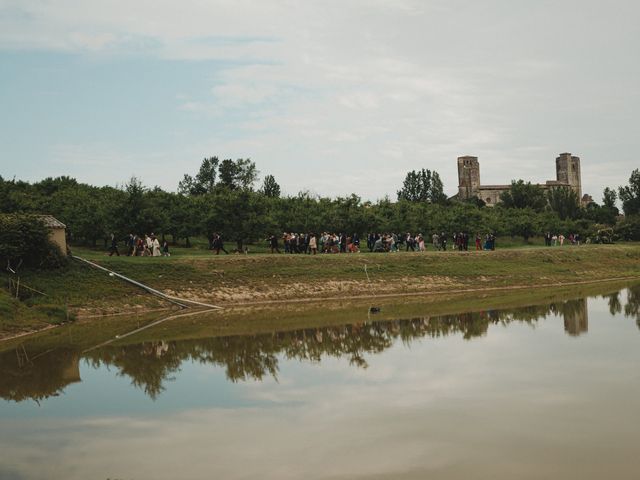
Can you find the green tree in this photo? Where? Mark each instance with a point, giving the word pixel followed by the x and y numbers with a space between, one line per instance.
pixel 422 186
pixel 523 222
pixel 609 198
pixel 270 187
pixel 238 174
pixel 630 194
pixel 564 201
pixel 239 215
pixel 204 181
pixel 524 195
pixel 437 189
pixel 24 239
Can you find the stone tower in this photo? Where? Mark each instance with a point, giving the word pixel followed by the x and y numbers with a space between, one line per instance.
pixel 568 171
pixel 468 177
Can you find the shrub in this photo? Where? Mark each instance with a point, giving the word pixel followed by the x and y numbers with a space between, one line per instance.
pixel 629 228
pixel 24 240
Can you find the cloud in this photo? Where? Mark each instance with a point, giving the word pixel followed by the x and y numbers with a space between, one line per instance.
pixel 356 85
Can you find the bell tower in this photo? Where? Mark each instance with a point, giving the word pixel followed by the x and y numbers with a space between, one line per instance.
pixel 568 171
pixel 468 177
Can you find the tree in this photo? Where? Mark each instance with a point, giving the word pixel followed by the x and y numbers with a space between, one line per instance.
pixel 607 213
pixel 564 201
pixel 204 181
pixel 239 215
pixel 422 186
pixel 270 187
pixel 437 189
pixel 609 198
pixel 630 194
pixel 24 239
pixel 238 174
pixel 522 222
pixel 524 195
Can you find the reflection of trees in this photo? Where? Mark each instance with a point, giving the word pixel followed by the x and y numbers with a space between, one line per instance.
pixel 37 376
pixel 244 357
pixel 613 299
pixel 632 308
pixel 147 364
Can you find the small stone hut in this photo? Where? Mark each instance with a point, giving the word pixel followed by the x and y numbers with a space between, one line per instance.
pixel 57 231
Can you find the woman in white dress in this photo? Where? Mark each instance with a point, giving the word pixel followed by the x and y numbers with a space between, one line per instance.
pixel 156 247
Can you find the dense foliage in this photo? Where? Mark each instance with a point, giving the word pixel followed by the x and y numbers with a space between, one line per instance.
pixel 221 198
pixel 24 240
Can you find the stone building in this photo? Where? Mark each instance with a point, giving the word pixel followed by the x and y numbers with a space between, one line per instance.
pixel 469 186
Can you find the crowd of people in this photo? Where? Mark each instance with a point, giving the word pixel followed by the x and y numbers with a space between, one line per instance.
pixel 391 242
pixel 141 246
pixel 326 242
pixel 312 243
pixel 554 239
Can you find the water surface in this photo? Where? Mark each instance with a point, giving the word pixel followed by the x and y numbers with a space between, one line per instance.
pixel 539 391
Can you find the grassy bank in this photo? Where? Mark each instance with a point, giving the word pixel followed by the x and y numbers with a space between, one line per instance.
pixel 17 316
pixel 242 279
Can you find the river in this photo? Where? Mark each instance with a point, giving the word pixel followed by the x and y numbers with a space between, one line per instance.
pixel 537 390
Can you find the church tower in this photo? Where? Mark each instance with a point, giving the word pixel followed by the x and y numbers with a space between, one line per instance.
pixel 568 171
pixel 468 177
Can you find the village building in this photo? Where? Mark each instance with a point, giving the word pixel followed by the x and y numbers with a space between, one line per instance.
pixel 57 231
pixel 469 186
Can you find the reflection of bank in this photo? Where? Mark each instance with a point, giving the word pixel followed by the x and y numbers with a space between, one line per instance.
pixel 576 317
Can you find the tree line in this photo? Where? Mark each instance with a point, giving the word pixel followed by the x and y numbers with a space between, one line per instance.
pixel 225 197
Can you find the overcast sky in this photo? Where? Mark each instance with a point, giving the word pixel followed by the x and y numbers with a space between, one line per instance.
pixel 332 97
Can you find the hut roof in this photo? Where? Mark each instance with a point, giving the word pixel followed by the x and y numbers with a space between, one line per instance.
pixel 51 222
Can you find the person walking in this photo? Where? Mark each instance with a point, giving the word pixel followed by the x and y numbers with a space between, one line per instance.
pixel 131 245
pixel 114 246
pixel 273 244
pixel 156 247
pixel 218 245
pixel 421 245
pixel 313 244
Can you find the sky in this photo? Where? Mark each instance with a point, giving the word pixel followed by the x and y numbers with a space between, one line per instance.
pixel 330 97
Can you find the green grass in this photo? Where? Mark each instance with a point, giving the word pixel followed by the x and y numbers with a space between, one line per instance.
pixel 17 317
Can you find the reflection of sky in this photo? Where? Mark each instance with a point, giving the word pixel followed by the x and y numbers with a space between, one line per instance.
pixel 521 402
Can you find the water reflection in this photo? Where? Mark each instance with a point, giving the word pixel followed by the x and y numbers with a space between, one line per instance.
pixel 576 317
pixel 26 373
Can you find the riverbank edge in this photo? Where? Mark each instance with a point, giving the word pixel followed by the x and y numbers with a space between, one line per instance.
pixel 262 279
pixel 458 301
